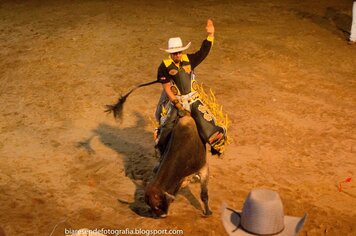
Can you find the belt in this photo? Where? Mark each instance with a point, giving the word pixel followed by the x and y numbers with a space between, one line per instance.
pixel 188 99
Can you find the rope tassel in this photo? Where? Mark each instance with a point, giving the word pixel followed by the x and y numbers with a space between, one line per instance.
pixel 117 109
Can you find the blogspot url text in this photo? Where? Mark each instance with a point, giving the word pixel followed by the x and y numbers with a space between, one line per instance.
pixel 127 231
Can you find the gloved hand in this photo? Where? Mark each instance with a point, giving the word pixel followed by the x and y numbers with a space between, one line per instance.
pixel 210 28
pixel 181 111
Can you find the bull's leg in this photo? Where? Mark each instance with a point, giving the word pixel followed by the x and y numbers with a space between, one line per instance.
pixel 204 179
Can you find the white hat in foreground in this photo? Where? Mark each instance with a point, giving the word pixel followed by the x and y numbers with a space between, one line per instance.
pixel 262 214
pixel 176 45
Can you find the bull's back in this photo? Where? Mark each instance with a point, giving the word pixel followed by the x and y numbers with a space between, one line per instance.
pixel 187 147
pixel 185 155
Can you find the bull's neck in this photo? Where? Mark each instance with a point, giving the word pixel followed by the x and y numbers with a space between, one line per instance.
pixel 170 185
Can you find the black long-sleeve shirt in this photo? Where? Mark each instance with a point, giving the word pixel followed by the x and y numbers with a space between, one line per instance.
pixel 194 59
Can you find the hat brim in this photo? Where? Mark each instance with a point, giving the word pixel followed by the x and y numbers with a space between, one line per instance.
pixel 231 220
pixel 173 50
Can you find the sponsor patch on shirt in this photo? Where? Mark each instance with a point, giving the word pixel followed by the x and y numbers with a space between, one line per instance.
pixel 173 72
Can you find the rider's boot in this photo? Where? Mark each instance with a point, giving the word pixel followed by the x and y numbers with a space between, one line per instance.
pixel 159 154
pixel 217 142
pixel 164 135
pixel 160 144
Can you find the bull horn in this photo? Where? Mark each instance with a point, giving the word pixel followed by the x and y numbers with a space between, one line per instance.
pixel 172 197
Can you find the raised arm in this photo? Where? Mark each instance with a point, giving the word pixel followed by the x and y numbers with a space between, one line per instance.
pixel 197 57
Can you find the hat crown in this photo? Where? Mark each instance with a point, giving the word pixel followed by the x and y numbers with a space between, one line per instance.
pixel 263 212
pixel 175 43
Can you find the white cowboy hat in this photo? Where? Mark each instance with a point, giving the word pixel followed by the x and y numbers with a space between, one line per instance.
pixel 262 214
pixel 175 45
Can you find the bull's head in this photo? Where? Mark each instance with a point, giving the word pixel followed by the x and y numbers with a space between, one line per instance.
pixel 158 200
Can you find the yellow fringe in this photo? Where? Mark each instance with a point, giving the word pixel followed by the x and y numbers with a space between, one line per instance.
pixel 209 100
pixel 154 122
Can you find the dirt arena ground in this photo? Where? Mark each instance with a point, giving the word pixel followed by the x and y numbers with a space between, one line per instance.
pixel 282 70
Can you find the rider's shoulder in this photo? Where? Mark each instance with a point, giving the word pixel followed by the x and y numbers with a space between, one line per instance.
pixel 185 57
pixel 167 62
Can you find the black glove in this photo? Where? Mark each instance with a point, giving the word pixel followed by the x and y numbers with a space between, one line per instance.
pixel 181 111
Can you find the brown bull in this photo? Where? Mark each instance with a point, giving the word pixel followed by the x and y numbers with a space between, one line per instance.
pixel 185 155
